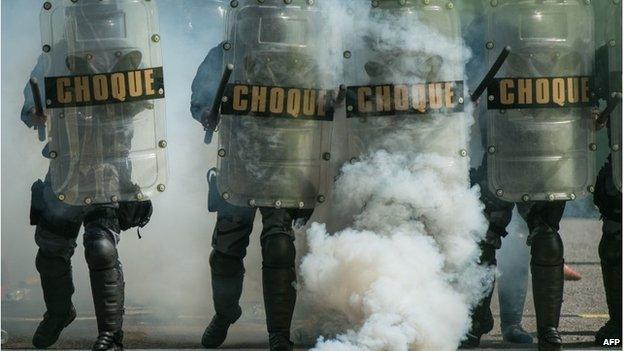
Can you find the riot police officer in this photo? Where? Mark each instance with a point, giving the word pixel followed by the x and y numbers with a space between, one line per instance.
pixel 540 142
pixel 608 188
pixel 100 79
pixel 274 139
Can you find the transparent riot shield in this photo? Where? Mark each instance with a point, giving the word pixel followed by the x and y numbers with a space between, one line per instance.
pixel 540 131
pixel 614 41
pixel 104 93
pixel 276 123
pixel 405 80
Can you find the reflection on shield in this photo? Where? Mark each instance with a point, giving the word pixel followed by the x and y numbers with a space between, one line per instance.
pixel 104 148
pixel 275 161
pixel 541 153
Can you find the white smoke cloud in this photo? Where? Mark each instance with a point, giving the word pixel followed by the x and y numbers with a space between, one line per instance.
pixel 404 274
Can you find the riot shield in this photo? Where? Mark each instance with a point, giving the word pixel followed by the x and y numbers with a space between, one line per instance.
pixel 405 81
pixel 276 118
pixel 104 90
pixel 614 42
pixel 540 131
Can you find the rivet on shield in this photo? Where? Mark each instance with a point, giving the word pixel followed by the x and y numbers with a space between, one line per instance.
pixel 74 0
pixel 227 46
pixel 463 153
pixel 114 198
pixel 234 3
pixel 161 187
pixel 375 3
pixel 615 147
pixel 221 153
pixel 494 3
pixel 48 102
pixel 162 144
pixel 224 99
pixel 450 5
pixel 499 192
pixel 426 2
pixel 502 112
pixel 350 108
pixel 460 100
pixel 225 196
pixel 61 197
pixel 572 196
pixel 252 203
pixel 320 198
pixel 260 1
pixel 491 97
pixel 593 147
pixel 53 154
pixel 47 5
pixel 526 197
pixel 310 2
pixel 402 2
pixel 301 204
pixel 551 197
pixel 587 2
pixel 278 203
pixel 591 189
pixel 89 57
pixel 287 2
pixel 46 48
pixel 353 160
pixel 139 196
pixel 347 54
pixel 489 45
pixel 492 149
pixel 612 42
pixel 118 54
pixel 326 156
pixel 88 200
pixel 161 91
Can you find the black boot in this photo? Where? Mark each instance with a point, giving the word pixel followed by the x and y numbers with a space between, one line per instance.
pixel 548 297
pixel 516 334
pixel 612 277
pixel 58 287
pixel 227 287
pixel 279 301
pixel 108 297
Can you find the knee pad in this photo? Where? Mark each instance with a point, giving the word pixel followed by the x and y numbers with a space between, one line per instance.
pixel 278 251
pixel 610 248
pixel 52 266
pixel 225 265
pixel 546 249
pixel 100 252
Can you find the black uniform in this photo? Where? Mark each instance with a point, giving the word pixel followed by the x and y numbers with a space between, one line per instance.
pixel 234 225
pixel 57 227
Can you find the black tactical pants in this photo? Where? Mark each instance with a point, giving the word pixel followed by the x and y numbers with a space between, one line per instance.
pixel 542 219
pixel 57 227
pixel 230 240
pixel 608 199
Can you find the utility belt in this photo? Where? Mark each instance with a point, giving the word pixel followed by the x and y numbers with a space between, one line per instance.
pixel 129 214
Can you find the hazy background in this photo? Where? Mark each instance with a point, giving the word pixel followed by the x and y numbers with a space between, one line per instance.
pixel 167 270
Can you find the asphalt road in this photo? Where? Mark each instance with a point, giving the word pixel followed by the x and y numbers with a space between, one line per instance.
pixel 584 311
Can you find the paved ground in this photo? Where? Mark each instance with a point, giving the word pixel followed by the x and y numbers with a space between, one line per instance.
pixel 584 311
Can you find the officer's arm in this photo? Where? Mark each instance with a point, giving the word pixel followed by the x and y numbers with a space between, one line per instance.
pixel 206 83
pixel 29 102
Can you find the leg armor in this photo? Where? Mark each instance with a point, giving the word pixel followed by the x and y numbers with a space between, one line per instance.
pixel 107 283
pixel 546 267
pixel 229 241
pixel 609 201
pixel 278 271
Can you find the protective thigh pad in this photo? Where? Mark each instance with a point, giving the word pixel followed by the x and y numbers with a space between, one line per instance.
pixel 51 266
pixel 610 249
pixel 546 249
pixel 225 265
pixel 278 251
pixel 100 251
